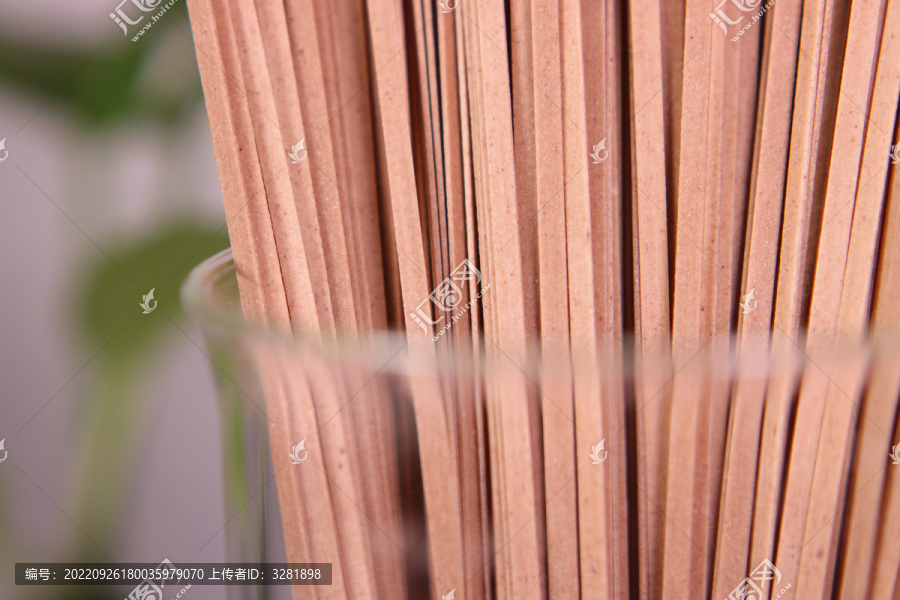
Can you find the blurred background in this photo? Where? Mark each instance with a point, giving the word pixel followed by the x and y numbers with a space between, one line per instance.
pixel 108 189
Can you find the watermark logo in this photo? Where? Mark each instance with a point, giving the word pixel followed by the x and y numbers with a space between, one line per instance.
pixel 720 18
pixel 296 150
pixel 748 304
pixel 133 12
pixel 450 595
pixel 751 587
pixel 121 18
pixel 146 304
pixel 152 589
pixel 600 153
pixel 3 452
pixel 296 450
pixel 895 454
pixel 447 297
pixel 895 153
pixel 446 7
pixel 732 12
pixel 598 453
pixel 4 153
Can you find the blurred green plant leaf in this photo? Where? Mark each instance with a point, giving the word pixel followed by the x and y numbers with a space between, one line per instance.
pixel 115 285
pixel 109 307
pixel 99 84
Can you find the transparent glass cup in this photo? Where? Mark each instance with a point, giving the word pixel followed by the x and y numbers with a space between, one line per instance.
pixel 456 469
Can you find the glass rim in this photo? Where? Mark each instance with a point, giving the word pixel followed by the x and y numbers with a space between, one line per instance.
pixel 210 296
